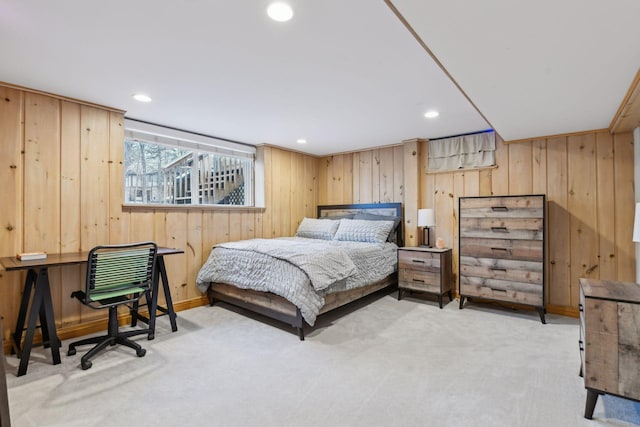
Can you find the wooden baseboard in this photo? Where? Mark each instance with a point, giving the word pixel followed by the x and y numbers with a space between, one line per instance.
pixel 99 325
pixel 191 303
pixel 552 309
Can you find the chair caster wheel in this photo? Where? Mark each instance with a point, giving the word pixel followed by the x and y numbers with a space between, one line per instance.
pixel 71 352
pixel 141 352
pixel 86 365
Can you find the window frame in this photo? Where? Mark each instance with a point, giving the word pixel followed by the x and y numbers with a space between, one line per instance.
pixel 197 145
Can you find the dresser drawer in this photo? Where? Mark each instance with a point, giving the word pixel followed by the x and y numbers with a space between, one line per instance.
pixel 502 228
pixel 526 250
pixel 418 260
pixel 581 310
pixel 517 292
pixel 502 269
pixel 493 207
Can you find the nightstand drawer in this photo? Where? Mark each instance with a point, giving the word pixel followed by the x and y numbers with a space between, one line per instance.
pixel 415 260
pixel 419 280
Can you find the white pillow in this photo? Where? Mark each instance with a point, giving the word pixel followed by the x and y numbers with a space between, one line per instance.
pixel 312 228
pixel 360 230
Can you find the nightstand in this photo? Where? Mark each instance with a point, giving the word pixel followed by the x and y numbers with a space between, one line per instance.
pixel 426 270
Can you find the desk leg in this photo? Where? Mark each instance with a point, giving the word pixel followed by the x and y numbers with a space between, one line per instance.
pixel 31 328
pixel 153 305
pixel 41 307
pixel 49 325
pixel 44 330
pixel 167 295
pixel 29 284
pixel 161 274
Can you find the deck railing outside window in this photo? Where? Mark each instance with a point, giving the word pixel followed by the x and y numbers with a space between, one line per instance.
pixel 159 174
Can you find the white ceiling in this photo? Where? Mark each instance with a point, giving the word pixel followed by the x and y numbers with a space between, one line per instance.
pixel 535 68
pixel 345 75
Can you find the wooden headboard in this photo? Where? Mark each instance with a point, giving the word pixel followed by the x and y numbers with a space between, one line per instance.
pixel 386 209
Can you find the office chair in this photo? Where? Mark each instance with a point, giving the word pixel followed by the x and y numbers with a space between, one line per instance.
pixel 116 275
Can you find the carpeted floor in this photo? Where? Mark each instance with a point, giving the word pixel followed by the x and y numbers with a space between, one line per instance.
pixel 377 362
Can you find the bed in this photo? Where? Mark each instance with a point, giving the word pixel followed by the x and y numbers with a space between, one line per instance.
pixel 346 253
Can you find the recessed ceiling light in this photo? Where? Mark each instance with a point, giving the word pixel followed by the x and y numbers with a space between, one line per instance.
pixel 280 11
pixel 142 97
pixel 301 141
pixel 431 114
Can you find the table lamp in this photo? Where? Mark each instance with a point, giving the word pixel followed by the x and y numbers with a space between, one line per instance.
pixel 426 219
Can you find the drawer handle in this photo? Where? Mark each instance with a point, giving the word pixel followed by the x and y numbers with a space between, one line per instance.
pixel 581 345
pixel 418 280
pixel 499 290
pixel 418 261
pixel 499 249
pixel 499 208
pixel 580 308
pixel 498 269
pixel 500 229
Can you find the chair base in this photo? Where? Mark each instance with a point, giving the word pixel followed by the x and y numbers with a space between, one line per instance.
pixel 112 338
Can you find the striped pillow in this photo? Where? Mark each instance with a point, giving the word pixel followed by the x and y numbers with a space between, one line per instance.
pixel 312 228
pixel 360 230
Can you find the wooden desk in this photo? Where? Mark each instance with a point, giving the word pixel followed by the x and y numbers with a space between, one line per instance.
pixel 37 283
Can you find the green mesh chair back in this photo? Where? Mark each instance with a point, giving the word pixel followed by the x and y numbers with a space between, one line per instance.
pixel 117 271
pixel 116 275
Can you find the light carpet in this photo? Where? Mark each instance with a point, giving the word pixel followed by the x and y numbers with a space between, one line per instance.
pixel 376 362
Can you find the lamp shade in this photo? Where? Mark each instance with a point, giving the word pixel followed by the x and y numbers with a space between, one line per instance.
pixel 636 224
pixel 427 218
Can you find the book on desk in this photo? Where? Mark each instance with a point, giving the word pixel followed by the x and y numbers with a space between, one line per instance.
pixel 30 256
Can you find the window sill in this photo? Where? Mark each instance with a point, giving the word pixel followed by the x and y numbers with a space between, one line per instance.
pixel 144 207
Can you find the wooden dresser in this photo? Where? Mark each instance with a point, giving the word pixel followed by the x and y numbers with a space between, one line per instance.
pixel 609 340
pixel 502 249
pixel 423 269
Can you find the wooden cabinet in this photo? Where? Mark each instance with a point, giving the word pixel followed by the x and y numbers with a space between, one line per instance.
pixel 502 249
pixel 423 269
pixel 609 340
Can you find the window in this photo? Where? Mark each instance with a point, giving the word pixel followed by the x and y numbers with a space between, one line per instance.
pixel 170 167
pixel 469 151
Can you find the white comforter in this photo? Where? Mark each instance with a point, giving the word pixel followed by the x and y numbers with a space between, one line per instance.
pixel 298 269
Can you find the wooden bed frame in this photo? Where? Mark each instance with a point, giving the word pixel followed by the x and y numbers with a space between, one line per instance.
pixel 276 307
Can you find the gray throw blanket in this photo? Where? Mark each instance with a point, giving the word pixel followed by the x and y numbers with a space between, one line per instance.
pixel 323 262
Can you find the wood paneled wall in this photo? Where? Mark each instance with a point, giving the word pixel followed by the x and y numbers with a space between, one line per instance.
pixel 369 176
pixel 63 189
pixel 588 180
pixel 62 175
